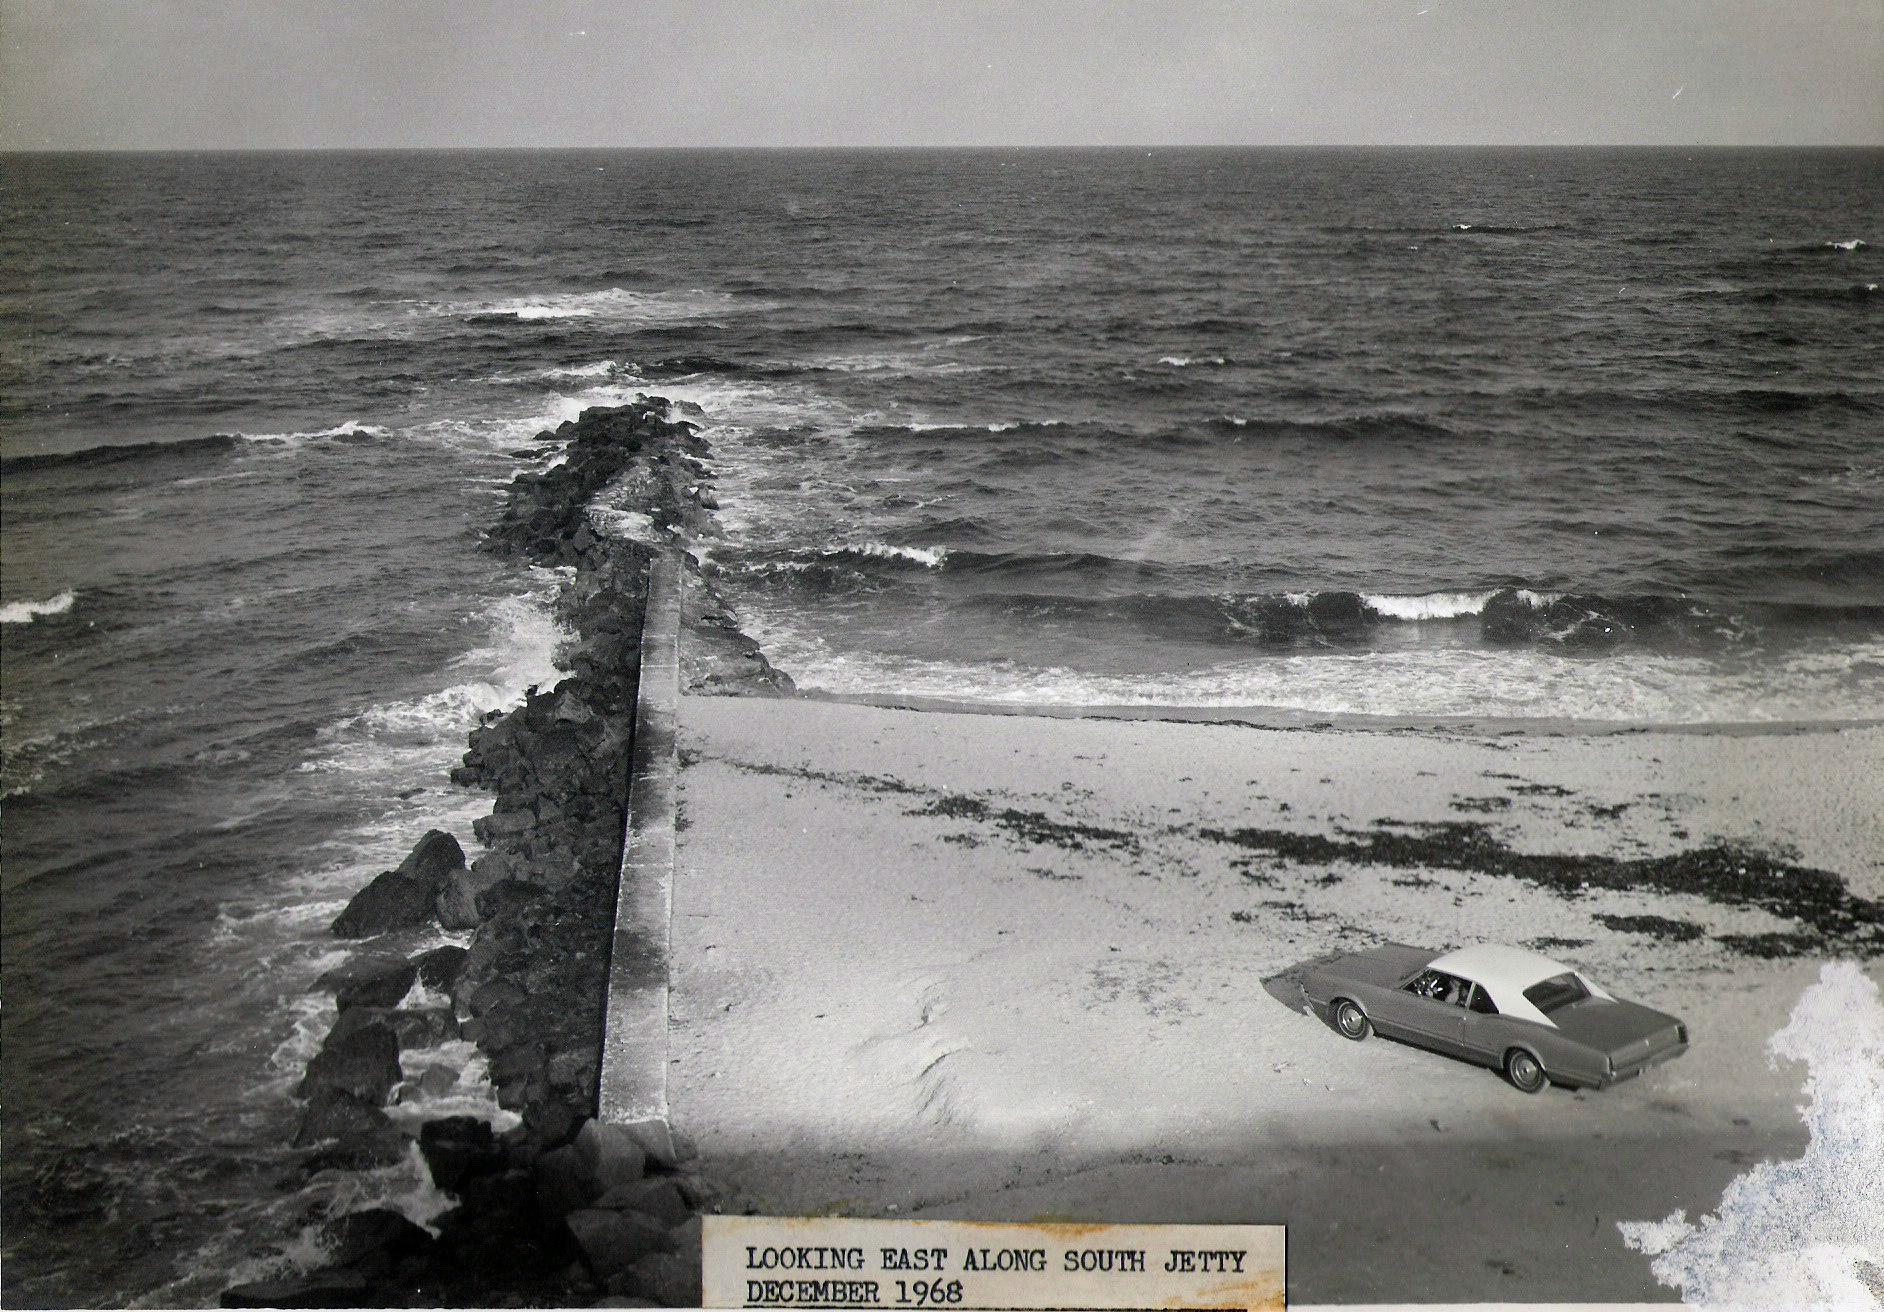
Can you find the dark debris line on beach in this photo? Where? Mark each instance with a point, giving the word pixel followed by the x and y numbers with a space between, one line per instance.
pixel 1830 917
pixel 560 1209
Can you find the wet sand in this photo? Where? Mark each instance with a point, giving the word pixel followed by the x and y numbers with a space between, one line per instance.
pixel 1006 967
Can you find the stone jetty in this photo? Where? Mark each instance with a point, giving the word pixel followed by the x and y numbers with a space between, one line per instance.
pixel 561 1209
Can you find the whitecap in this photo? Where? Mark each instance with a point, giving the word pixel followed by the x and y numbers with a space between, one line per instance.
pixel 928 557
pixel 350 428
pixel 1852 245
pixel 25 612
pixel 560 373
pixel 615 304
pixel 1429 606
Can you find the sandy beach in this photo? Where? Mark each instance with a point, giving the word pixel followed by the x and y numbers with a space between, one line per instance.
pixel 1012 967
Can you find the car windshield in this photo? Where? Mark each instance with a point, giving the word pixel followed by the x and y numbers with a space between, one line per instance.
pixel 1556 993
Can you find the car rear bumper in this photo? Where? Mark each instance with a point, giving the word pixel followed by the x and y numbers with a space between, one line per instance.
pixel 1640 1064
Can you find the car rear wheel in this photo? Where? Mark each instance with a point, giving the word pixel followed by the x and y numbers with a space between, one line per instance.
pixel 1351 1020
pixel 1524 1071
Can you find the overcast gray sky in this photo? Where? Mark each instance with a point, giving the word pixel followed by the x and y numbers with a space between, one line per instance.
pixel 81 74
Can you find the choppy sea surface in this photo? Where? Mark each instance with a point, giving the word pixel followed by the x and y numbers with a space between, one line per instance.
pixel 1570 433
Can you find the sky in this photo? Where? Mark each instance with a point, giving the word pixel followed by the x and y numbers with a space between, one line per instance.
pixel 210 74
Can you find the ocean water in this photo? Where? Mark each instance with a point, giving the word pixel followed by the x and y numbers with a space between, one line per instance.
pixel 1585 434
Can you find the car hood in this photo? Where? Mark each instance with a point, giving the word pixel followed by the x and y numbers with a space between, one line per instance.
pixel 1611 1025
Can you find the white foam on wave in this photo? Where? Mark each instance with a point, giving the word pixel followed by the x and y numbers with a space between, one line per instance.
pixel 524 639
pixel 299 437
pixel 469 1094
pixel 928 557
pixel 1794 1234
pixel 1632 687
pixel 405 1187
pixel 1429 606
pixel 615 304
pixel 404 319
pixel 567 372
pixel 1440 605
pixel 1852 245
pixel 25 612
pixel 1186 361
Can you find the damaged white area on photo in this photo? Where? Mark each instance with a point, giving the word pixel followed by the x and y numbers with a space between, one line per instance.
pixel 1807 1232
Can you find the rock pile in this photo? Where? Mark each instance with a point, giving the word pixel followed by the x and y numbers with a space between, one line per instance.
pixel 561 1209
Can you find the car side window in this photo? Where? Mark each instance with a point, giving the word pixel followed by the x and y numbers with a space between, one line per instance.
pixel 1438 986
pixel 1426 984
pixel 1482 1003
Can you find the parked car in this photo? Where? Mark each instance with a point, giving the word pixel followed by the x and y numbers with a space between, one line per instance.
pixel 1535 1019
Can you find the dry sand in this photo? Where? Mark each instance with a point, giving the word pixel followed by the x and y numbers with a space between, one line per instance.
pixel 998 967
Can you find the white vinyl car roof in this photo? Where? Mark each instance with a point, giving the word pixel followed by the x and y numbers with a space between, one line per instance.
pixel 1505 973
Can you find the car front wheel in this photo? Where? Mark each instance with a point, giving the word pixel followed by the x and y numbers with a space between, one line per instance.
pixel 1524 1071
pixel 1352 1021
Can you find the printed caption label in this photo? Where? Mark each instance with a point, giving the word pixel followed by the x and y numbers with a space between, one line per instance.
pixel 772 1261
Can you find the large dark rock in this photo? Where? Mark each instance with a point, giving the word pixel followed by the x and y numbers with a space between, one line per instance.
pixel 368 976
pixel 439 968
pixel 337 1114
pixel 457 901
pixel 455 1147
pixel 375 981
pixel 403 898
pixel 608 1156
pixel 495 995
pixel 432 859
pixel 416 1027
pixel 518 1062
pixel 659 1198
pixel 391 902
pixel 613 1241
pixel 374 1241
pixel 562 1185
pixel 505 896
pixel 364 1063
pixel 550 1121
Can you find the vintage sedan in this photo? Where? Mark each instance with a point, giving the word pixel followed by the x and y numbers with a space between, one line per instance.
pixel 1535 1019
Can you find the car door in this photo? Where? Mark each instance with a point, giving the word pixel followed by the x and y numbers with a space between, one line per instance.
pixel 1406 1013
pixel 1483 1033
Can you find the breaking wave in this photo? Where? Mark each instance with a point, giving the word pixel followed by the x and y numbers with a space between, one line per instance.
pixel 25 612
